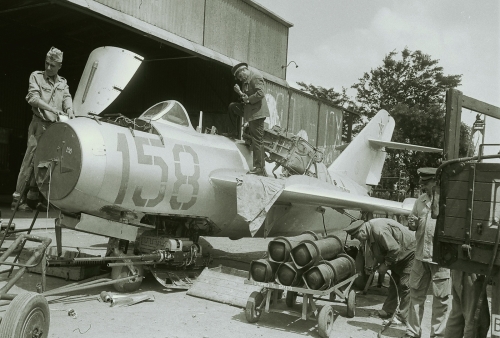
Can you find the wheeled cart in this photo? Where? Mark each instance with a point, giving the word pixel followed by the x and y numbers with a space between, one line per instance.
pixel 265 301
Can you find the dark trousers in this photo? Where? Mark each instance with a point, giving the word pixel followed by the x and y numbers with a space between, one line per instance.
pixel 400 272
pixel 256 129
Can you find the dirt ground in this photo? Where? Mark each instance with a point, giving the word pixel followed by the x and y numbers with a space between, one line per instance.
pixel 173 314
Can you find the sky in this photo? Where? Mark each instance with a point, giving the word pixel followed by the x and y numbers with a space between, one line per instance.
pixel 334 42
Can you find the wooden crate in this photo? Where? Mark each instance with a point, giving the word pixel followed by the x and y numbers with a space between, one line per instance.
pixel 74 273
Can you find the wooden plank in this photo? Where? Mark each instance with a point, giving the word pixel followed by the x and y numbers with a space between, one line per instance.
pixel 223 285
pixel 452 123
pixel 458 190
pixel 454 227
pixel 480 107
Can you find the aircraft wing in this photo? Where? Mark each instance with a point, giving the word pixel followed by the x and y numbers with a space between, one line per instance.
pixel 404 146
pixel 311 191
pixel 307 190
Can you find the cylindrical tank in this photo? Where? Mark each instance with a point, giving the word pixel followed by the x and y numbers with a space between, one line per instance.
pixel 279 249
pixel 289 275
pixel 328 273
pixel 263 270
pixel 309 253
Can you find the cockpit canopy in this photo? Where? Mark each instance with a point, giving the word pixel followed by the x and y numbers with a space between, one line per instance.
pixel 168 112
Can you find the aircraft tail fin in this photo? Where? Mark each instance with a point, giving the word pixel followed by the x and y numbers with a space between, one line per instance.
pixel 363 159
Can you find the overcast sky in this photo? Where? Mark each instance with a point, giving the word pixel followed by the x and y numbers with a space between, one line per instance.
pixel 335 41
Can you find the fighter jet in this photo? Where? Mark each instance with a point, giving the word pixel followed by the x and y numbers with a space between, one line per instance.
pixel 158 182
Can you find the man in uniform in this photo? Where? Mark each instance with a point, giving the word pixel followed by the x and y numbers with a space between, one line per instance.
pixel 466 290
pixel 254 109
pixel 393 248
pixel 49 97
pixel 425 272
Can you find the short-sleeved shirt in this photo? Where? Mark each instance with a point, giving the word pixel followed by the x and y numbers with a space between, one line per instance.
pixel 425 231
pixel 53 91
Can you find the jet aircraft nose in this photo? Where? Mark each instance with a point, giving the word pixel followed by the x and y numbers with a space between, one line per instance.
pixel 58 161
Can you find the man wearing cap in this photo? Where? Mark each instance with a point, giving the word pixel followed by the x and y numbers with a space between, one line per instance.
pixel 425 272
pixel 48 96
pixel 393 248
pixel 253 108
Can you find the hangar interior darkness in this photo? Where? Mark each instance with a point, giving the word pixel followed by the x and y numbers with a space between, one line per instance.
pixel 29 28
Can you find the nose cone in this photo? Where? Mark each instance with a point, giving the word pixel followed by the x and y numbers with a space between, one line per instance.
pixel 58 161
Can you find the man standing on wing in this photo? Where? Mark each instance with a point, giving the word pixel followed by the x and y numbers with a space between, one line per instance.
pixel 254 109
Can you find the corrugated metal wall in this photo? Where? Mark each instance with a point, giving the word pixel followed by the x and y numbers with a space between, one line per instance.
pixel 319 123
pixel 277 101
pixel 182 17
pixel 230 27
pixel 329 131
pixel 303 116
pixel 244 33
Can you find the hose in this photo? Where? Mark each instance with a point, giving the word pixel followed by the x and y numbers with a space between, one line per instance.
pixel 389 322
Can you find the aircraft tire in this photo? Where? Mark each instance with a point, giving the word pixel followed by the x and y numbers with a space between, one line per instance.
pixel 124 271
pixel 28 314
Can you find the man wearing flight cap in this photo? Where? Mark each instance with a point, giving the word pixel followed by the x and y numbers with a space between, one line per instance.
pixel 253 107
pixel 392 246
pixel 48 96
pixel 425 272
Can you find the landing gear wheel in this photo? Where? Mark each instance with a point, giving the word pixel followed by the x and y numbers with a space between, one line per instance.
pixel 124 271
pixel 291 298
pixel 325 321
pixel 351 304
pixel 252 311
pixel 27 316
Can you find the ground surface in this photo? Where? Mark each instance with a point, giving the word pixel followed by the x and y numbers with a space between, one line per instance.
pixel 175 314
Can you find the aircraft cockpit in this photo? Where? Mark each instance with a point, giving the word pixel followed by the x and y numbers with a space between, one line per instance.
pixel 168 112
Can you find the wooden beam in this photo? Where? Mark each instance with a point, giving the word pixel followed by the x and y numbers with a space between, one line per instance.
pixel 452 123
pixel 480 107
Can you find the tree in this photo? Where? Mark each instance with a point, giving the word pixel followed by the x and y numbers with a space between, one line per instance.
pixel 412 89
pixel 337 98
pixel 415 80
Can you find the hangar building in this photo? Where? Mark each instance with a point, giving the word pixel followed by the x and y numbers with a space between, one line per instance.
pixel 188 46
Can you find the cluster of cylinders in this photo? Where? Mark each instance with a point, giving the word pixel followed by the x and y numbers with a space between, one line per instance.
pixel 304 261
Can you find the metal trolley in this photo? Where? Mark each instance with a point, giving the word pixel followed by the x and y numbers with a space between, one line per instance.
pixel 264 301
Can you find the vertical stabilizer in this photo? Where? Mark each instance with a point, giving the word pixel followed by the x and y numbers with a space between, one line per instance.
pixel 362 161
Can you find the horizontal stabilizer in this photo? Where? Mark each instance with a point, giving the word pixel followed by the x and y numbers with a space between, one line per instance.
pixel 404 146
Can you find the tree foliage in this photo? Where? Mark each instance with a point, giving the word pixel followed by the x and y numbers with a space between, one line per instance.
pixel 414 80
pixel 412 89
